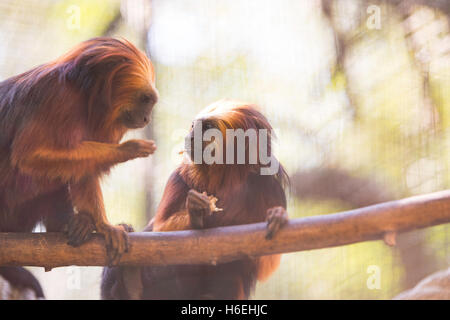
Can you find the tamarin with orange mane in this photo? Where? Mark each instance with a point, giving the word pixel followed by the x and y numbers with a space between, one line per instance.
pixel 60 129
pixel 238 192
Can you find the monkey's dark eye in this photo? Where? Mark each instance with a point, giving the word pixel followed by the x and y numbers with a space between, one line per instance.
pixel 145 98
pixel 207 125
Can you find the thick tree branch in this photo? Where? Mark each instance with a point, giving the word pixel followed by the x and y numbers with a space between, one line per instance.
pixel 228 243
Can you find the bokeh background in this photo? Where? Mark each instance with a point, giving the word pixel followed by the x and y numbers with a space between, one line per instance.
pixel 357 90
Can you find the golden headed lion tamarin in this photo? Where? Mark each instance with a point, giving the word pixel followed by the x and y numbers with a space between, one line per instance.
pixel 200 195
pixel 60 128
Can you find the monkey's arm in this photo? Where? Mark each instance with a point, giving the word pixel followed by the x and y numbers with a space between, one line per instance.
pixel 276 217
pixel 178 221
pixel 86 159
pixel 172 213
pixel 191 217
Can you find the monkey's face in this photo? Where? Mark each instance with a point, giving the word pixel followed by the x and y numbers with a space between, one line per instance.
pixel 118 82
pixel 136 112
pixel 200 126
pixel 228 133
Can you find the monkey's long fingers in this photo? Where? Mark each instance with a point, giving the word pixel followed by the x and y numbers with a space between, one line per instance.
pixel 116 243
pixel 276 218
pixel 75 235
pixel 152 146
pixel 110 250
pixel 137 149
pixel 86 233
pixel 127 227
pixel 108 245
pixel 272 228
pixel 147 148
pixel 72 230
pixel 197 196
pixel 83 235
pixel 118 248
pixel 197 201
pixel 79 229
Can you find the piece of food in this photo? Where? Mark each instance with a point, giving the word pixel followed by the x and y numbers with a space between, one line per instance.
pixel 212 203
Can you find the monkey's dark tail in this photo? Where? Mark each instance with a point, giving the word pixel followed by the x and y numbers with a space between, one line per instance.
pixel 21 278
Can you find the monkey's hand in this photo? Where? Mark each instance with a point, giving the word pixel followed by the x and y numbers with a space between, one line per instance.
pixel 128 227
pixel 133 149
pixel 116 239
pixel 79 229
pixel 198 206
pixel 276 218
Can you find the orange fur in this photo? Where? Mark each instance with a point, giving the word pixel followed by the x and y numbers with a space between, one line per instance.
pixel 61 124
pixel 244 195
pixel 267 265
pixel 177 222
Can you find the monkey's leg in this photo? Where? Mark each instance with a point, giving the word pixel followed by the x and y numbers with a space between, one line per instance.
pixel 112 286
pixel 60 210
pixel 87 198
pixel 53 208
pixel 276 218
pixel 122 282
pixel 61 217
pixel 198 206
pixel 89 158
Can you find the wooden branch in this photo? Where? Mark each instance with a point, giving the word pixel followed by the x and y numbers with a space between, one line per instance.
pixel 224 244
